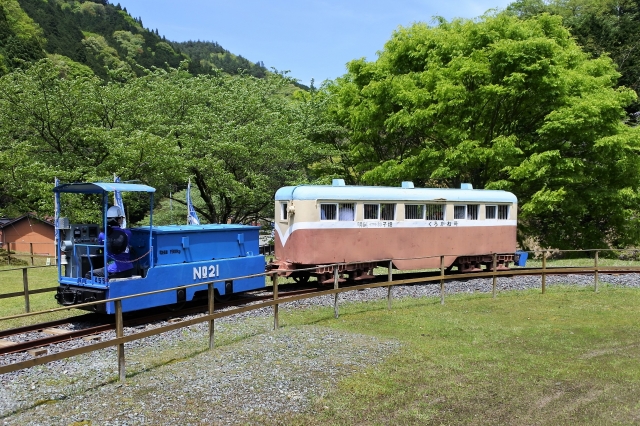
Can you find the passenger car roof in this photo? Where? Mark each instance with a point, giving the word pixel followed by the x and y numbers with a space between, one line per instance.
pixel 386 193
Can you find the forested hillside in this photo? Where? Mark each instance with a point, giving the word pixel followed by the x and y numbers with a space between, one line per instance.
pixel 101 36
pixel 207 56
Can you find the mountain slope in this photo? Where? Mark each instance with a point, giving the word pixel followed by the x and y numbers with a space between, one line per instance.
pixel 103 37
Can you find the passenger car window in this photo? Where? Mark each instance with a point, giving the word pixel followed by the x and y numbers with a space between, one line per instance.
pixel 328 211
pixel 414 211
pixel 371 211
pixel 347 212
pixel 435 211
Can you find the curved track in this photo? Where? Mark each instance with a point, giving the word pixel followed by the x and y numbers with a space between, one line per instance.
pixel 21 339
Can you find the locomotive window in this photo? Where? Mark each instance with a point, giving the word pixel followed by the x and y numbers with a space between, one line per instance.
pixel 371 211
pixel 328 211
pixel 283 211
pixel 503 212
pixel 459 212
pixel 347 212
pixel 387 211
pixel 472 211
pixel 414 211
pixel 435 211
pixel 490 212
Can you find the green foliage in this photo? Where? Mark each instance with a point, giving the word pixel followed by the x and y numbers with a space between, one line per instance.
pixel 207 57
pixel 132 43
pixel 602 28
pixel 502 103
pixel 102 55
pixel 238 138
pixel 103 37
pixel 20 38
pixel 69 69
pixel 7 258
pixel 99 35
pixel 46 125
pixel 173 209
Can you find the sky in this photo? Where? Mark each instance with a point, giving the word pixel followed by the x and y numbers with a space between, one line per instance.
pixel 312 39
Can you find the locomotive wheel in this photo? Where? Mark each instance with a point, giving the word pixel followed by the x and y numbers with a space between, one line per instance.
pixel 220 298
pixel 176 307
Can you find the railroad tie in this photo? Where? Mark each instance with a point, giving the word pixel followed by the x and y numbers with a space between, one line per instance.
pixel 38 351
pixel 55 331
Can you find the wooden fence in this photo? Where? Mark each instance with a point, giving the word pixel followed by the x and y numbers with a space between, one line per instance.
pixel 44 251
pixel 121 339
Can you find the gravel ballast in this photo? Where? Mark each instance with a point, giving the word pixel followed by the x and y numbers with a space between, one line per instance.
pixel 255 371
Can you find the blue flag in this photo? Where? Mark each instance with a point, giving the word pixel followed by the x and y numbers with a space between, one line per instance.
pixel 117 201
pixel 192 216
pixel 56 214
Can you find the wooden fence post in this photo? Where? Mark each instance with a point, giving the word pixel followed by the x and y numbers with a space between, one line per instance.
pixel 120 333
pixel 495 265
pixel 389 278
pixel 335 286
pixel 25 285
pixel 544 268
pixel 274 280
pixel 211 296
pixel 595 262
pixel 31 252
pixel 442 280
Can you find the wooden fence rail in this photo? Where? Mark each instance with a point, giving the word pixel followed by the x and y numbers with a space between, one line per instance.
pixel 32 254
pixel 26 291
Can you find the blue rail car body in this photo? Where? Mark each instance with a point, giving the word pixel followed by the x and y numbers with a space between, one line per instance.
pixel 163 257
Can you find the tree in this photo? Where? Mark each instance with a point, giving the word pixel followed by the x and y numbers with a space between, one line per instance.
pixel 601 27
pixel 502 103
pixel 57 122
pixel 238 138
pixel 44 133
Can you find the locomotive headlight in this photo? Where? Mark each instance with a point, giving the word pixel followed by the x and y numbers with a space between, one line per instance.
pixel 291 209
pixel 66 245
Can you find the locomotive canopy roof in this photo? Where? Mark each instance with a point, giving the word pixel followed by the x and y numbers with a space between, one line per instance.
pixel 386 193
pixel 101 187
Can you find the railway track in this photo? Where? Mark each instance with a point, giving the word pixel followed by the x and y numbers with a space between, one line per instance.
pixel 22 339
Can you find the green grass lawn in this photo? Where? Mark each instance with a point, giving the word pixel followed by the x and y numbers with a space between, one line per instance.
pixel 11 281
pixel 569 356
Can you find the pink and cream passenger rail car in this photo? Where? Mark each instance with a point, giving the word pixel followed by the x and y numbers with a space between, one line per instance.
pixel 365 226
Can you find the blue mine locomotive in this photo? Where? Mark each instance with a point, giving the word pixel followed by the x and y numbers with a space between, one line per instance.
pixel 160 257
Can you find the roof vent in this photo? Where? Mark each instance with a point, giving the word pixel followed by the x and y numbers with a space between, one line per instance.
pixel 407 184
pixel 337 182
pixel 466 186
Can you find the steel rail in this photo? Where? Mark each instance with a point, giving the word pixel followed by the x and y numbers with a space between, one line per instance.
pixel 109 323
pixel 40 326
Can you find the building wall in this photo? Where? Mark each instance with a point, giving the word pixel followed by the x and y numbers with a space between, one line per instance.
pixel 28 231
